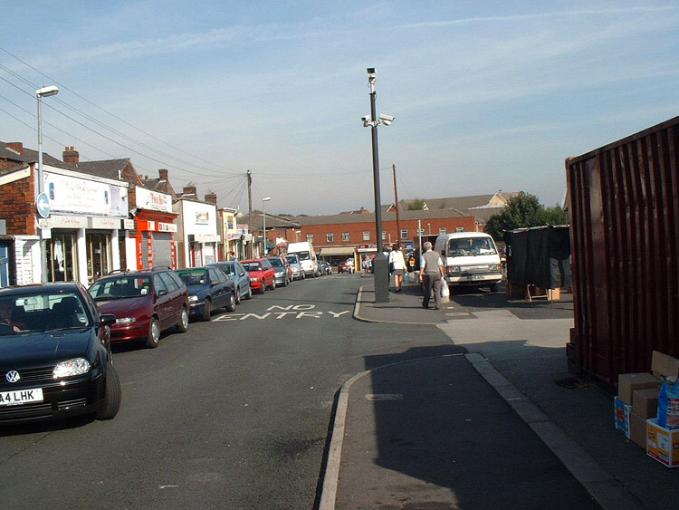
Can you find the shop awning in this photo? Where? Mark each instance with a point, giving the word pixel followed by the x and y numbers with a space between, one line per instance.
pixel 337 251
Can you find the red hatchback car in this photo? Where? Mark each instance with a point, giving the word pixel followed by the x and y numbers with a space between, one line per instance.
pixel 262 274
pixel 145 303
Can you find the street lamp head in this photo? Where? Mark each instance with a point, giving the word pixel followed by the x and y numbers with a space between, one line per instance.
pixel 51 90
pixel 266 199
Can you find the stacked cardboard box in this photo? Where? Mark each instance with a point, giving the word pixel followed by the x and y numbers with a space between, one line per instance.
pixel 636 409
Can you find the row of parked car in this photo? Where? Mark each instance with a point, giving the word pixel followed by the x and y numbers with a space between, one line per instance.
pixel 55 339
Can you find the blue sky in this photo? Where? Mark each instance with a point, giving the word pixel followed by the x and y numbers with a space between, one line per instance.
pixel 487 95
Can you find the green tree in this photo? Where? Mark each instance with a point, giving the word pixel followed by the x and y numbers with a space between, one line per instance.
pixel 416 205
pixel 524 210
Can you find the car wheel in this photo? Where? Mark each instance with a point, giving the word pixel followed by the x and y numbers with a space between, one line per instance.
pixel 249 294
pixel 273 284
pixel 237 295
pixel 207 310
pixel 112 395
pixel 231 304
pixel 153 337
pixel 183 324
pixel 493 288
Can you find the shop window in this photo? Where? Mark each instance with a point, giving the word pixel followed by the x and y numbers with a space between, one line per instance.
pixel 62 258
pixel 404 234
pixel 345 236
pixel 330 237
pixel 366 235
pixel 98 255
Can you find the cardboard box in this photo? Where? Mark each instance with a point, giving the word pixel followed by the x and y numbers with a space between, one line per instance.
pixel 645 403
pixel 637 429
pixel 627 383
pixel 621 416
pixel 662 444
pixel 665 366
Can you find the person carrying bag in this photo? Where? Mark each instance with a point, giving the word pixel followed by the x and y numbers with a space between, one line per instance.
pixel 431 276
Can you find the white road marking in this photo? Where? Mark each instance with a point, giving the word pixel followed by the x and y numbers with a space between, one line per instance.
pixel 384 396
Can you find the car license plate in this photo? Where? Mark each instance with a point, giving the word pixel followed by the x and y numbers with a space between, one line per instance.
pixel 18 397
pixel 477 277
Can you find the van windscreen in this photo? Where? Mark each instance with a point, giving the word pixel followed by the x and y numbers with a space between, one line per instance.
pixel 303 255
pixel 471 247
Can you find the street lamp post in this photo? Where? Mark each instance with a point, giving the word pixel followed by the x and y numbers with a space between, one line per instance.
pixel 381 262
pixel 264 200
pixel 41 199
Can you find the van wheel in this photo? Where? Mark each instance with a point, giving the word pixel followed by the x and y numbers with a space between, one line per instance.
pixel 112 395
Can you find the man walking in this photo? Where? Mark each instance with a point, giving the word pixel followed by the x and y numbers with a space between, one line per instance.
pixel 431 273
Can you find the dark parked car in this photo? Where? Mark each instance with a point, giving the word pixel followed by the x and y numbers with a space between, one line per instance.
pixel 55 355
pixel 144 303
pixel 262 274
pixel 208 290
pixel 238 277
pixel 281 269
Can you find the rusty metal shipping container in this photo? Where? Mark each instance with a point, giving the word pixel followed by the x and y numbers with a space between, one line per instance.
pixel 624 206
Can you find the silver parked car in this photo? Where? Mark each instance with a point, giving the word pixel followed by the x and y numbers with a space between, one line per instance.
pixel 282 276
pixel 296 266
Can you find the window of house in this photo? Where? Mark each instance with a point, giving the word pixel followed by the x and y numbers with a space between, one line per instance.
pixel 404 234
pixel 310 238
pixel 345 236
pixel 443 231
pixel 330 237
pixel 459 229
pixel 366 235
pixel 384 236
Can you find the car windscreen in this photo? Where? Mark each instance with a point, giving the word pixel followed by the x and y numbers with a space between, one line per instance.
pixel 303 255
pixel 292 259
pixel 471 247
pixel 121 287
pixel 252 266
pixel 193 276
pixel 22 314
pixel 277 263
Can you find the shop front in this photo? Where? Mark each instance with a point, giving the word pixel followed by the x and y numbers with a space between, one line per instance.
pixel 197 233
pixel 83 229
pixel 155 230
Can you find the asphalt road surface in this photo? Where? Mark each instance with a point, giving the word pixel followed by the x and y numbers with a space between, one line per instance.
pixel 232 414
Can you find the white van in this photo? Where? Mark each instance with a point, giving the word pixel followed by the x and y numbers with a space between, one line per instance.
pixel 307 257
pixel 471 258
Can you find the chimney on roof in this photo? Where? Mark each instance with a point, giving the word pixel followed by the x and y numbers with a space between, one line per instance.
pixel 16 146
pixel 71 156
pixel 190 191
pixel 211 198
pixel 162 174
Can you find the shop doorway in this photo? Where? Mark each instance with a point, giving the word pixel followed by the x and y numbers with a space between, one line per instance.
pixel 62 259
pixel 98 255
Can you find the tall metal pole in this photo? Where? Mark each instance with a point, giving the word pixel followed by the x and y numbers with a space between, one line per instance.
pixel 381 263
pixel 264 229
pixel 43 241
pixel 250 220
pixel 398 218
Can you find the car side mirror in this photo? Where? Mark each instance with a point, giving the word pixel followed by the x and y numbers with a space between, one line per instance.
pixel 162 292
pixel 107 319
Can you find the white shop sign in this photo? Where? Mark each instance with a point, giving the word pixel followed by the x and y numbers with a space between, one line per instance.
pixel 166 227
pixel 199 218
pixel 105 223
pixel 63 222
pixel 128 224
pixel 80 195
pixel 207 238
pixel 153 200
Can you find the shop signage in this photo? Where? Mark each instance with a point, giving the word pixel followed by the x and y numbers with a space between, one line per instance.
pixel 207 238
pixel 166 227
pixel 63 222
pixel 80 195
pixel 128 224
pixel 233 236
pixel 202 218
pixel 105 223
pixel 153 200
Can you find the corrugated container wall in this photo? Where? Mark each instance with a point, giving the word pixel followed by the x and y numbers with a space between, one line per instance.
pixel 624 206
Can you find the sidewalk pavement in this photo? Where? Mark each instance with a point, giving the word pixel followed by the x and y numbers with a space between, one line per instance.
pixel 406 444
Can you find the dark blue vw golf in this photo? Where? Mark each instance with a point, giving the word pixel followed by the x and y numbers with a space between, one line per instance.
pixel 208 290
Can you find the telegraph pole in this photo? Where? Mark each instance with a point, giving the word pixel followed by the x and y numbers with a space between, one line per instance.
pixel 398 218
pixel 250 222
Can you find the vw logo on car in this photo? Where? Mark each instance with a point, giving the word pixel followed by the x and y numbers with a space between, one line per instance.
pixel 12 376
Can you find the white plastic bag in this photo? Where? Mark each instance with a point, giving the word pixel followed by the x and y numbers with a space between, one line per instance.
pixel 445 291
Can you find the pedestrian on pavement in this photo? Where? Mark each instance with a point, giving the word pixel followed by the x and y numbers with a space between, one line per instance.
pixel 431 273
pixel 398 264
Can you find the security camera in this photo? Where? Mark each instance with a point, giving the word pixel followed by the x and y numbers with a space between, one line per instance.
pixel 366 118
pixel 386 119
pixel 371 70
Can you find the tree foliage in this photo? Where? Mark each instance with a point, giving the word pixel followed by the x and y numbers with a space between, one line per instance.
pixel 416 205
pixel 524 210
